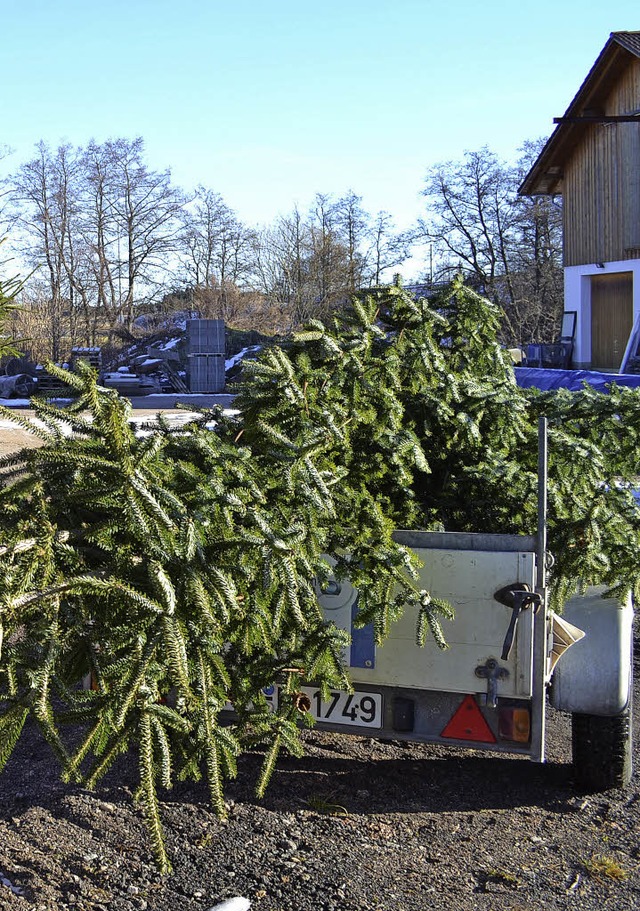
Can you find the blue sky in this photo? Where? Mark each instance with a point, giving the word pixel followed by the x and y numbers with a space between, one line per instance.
pixel 270 102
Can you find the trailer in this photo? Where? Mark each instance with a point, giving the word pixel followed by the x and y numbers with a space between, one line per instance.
pixel 508 657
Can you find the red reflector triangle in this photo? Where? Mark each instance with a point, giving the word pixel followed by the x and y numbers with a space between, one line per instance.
pixel 468 723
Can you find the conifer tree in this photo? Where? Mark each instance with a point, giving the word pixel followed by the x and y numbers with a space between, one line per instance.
pixel 9 290
pixel 179 569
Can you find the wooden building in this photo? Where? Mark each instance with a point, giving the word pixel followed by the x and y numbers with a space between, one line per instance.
pixel 592 159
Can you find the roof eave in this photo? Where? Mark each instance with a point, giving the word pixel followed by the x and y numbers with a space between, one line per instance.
pixel 541 181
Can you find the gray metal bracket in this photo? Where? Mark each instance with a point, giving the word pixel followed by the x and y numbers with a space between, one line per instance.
pixel 492 672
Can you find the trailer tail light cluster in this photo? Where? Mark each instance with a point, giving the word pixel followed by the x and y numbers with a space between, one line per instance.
pixel 468 723
pixel 514 724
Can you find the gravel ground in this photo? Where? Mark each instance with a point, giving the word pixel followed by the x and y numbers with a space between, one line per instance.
pixel 356 825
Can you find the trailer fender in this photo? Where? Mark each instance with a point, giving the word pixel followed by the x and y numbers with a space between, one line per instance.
pixel 593 677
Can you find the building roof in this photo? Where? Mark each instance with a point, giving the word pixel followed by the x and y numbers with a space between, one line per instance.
pixel 546 174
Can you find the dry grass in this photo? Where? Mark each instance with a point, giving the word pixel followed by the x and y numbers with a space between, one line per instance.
pixel 602 866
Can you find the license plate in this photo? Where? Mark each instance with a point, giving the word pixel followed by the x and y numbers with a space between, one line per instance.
pixel 271 695
pixel 363 710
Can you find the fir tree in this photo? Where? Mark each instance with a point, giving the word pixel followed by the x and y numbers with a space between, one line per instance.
pixel 180 568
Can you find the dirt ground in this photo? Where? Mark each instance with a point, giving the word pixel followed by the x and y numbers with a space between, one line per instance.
pixel 12 439
pixel 355 825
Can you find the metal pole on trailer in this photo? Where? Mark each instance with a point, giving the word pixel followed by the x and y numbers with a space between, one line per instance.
pixel 540 623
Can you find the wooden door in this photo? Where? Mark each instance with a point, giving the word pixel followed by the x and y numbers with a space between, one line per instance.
pixel 611 318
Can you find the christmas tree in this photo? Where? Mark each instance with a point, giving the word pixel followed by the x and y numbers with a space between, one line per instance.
pixel 179 569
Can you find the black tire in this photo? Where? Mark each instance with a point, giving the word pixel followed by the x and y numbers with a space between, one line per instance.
pixel 602 750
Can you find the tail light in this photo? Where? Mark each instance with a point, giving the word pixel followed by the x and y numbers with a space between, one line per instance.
pixel 514 723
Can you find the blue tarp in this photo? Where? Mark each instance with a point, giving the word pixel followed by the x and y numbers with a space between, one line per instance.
pixel 526 377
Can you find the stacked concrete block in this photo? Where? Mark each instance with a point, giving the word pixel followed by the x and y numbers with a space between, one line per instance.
pixel 205 336
pixel 205 355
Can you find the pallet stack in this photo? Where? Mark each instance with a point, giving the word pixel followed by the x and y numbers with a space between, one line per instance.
pixel 92 356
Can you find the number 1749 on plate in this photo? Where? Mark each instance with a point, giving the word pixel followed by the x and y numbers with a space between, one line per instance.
pixel 351 709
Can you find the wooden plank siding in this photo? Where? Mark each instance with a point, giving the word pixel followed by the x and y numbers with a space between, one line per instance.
pixel 601 185
pixel 611 318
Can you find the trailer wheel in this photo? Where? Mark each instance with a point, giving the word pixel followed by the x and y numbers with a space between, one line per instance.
pixel 602 754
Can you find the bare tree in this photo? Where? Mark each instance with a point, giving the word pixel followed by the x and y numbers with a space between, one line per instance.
pixel 114 237
pixel 327 254
pixel 510 248
pixel 354 230
pixel 104 230
pixel 308 265
pixel 537 257
pixel 388 247
pixel 42 192
pixel 281 267
pixel 202 225
pixel 470 214
pixel 32 321
pixel 301 264
pixel 5 191
pixel 143 213
pixel 217 253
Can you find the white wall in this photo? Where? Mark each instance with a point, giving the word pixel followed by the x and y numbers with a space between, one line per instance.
pixel 577 296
